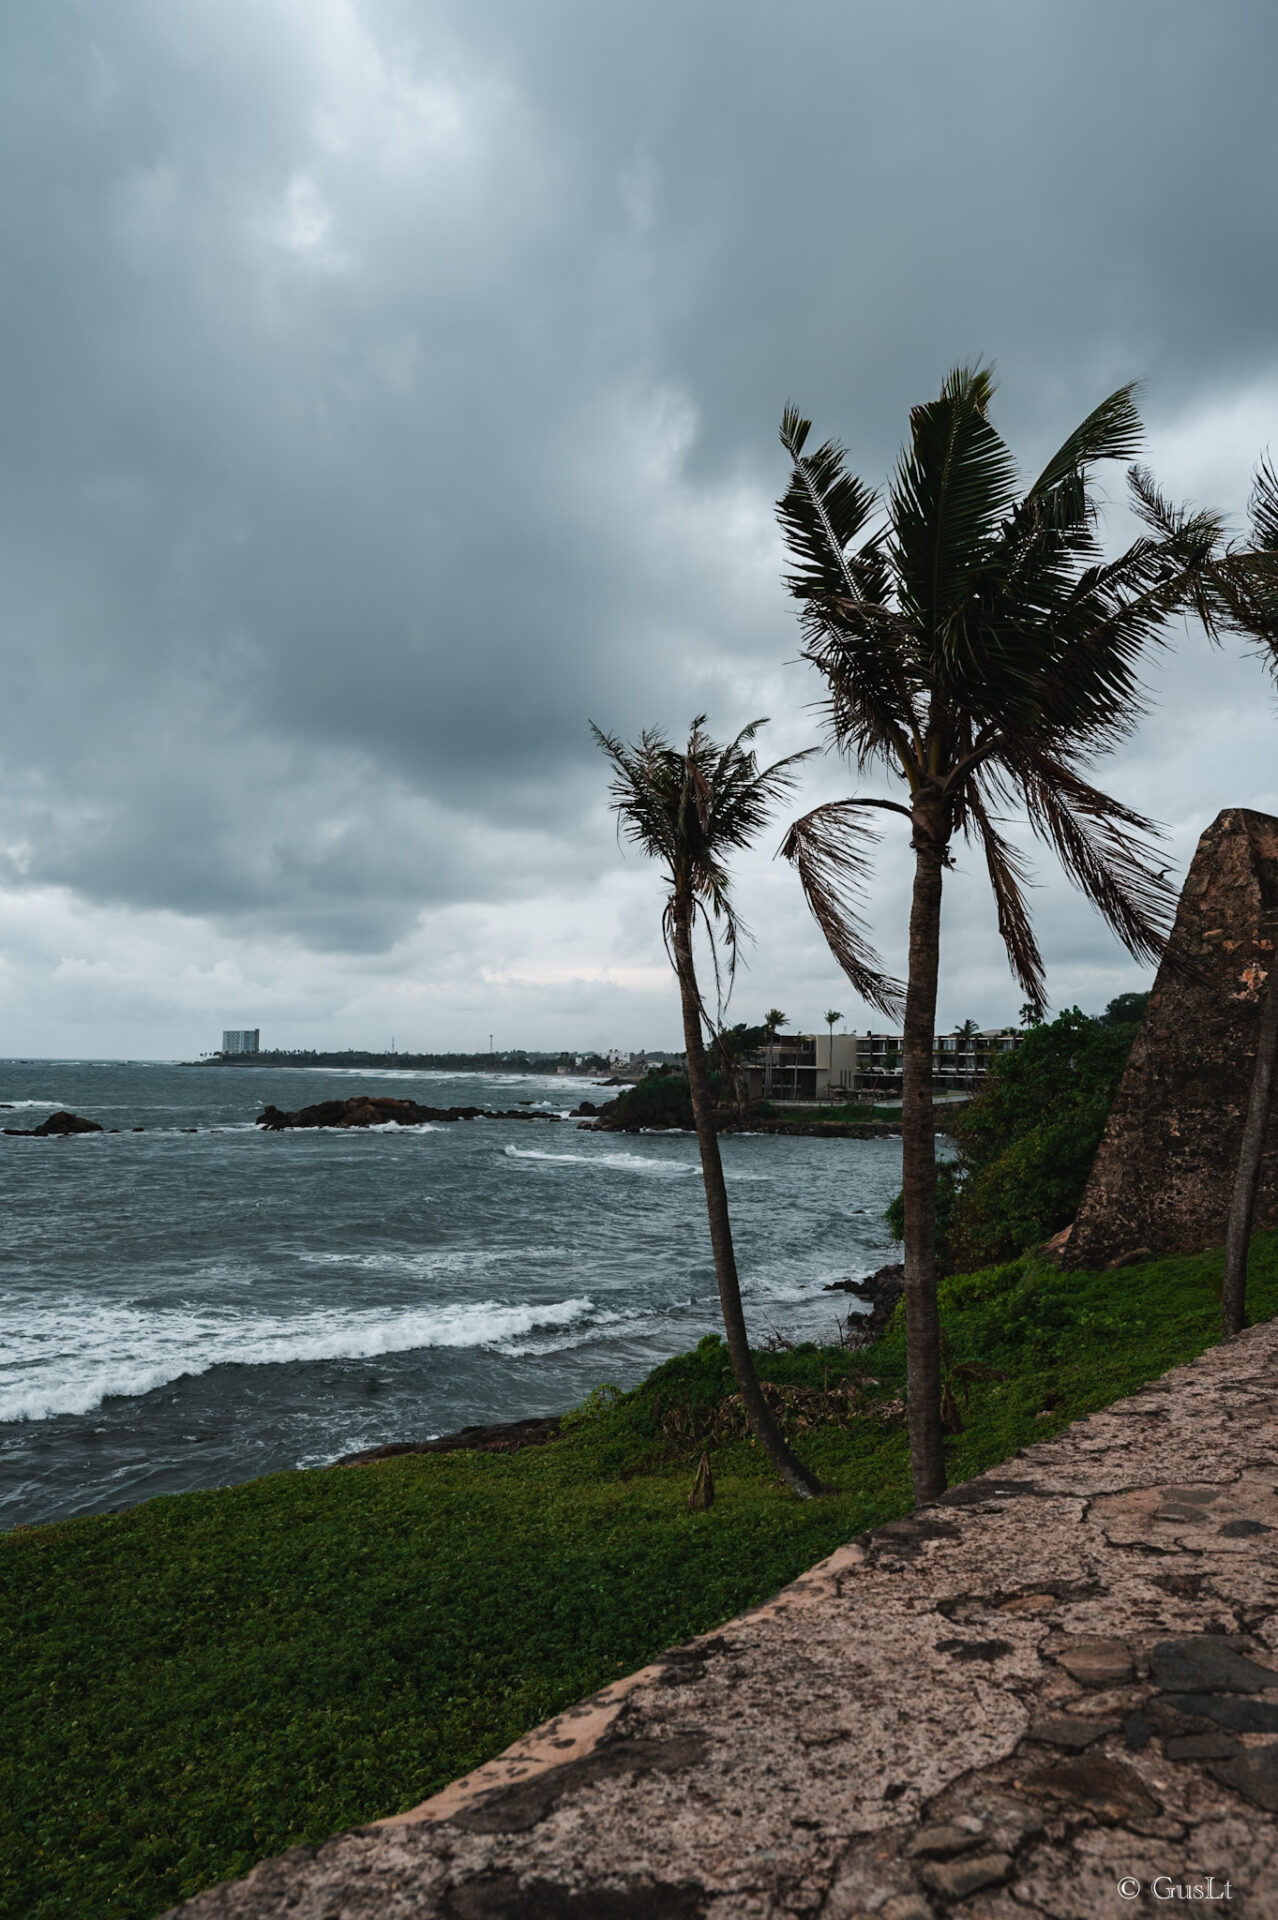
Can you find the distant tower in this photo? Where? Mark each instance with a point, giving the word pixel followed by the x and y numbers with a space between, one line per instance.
pixel 240 1039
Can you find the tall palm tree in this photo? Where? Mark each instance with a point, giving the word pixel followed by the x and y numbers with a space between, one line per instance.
pixel 1245 600
pixel 832 1017
pixel 977 647
pixel 773 1021
pixel 690 809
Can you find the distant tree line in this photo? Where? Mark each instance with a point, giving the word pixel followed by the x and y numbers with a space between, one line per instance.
pixel 515 1060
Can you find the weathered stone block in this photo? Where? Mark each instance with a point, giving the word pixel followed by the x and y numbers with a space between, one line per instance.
pixel 1164 1170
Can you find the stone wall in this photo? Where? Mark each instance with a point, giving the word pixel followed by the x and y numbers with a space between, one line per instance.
pixel 1164 1170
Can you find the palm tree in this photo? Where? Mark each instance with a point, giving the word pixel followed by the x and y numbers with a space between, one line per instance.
pixel 773 1021
pixel 977 647
pixel 968 1033
pixel 1245 600
pixel 690 809
pixel 831 1016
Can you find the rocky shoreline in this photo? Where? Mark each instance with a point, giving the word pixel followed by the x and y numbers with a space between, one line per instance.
pixel 798 1129
pixel 502 1436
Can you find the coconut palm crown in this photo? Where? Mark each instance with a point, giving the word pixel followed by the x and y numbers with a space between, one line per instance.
pixel 977 645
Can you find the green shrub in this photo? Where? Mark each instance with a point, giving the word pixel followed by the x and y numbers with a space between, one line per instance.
pixel 661 1100
pixel 1027 1141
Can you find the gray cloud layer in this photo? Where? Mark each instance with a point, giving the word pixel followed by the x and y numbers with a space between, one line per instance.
pixel 390 387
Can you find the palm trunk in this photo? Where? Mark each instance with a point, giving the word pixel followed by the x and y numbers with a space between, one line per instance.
pixel 762 1425
pixel 1242 1211
pixel 918 1172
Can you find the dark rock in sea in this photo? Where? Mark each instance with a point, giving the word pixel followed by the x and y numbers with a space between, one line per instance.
pixel 882 1289
pixel 505 1437
pixel 586 1107
pixel 367 1110
pixel 56 1126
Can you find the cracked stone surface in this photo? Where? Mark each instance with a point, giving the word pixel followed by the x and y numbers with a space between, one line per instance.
pixel 1063 1676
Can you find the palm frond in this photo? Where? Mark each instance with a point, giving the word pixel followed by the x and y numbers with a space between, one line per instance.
pixel 954 487
pixel 829 847
pixel 843 593
pixel 1099 843
pixel 1008 870
pixel 823 511
pixel 1264 507
pixel 1111 431
pixel 1241 590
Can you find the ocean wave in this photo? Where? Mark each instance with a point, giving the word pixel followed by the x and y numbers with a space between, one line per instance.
pixel 427 1265
pixel 121 1352
pixel 13 1105
pixel 626 1162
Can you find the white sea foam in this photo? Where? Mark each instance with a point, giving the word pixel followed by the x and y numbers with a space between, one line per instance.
pixel 92 1351
pixel 626 1162
pixel 428 1264
pixel 15 1104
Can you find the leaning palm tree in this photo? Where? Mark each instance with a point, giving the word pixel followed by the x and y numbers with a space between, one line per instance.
pixel 690 808
pixel 1244 599
pixel 978 648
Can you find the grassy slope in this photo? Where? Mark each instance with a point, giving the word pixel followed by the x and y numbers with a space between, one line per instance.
pixel 217 1676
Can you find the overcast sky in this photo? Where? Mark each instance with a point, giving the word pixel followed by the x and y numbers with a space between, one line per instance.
pixel 391 387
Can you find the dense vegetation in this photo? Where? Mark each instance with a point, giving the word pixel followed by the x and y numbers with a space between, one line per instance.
pixel 217 1676
pixel 1027 1142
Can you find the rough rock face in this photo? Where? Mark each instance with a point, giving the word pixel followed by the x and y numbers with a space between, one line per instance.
pixel 1164 1170
pixel 1051 1697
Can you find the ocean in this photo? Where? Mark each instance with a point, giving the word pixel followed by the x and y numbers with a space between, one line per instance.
pixel 199 1302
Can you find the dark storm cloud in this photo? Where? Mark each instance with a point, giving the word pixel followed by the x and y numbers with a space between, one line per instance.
pixel 388 387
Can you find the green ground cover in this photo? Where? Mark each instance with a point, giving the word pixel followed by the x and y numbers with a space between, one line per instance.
pixel 217 1676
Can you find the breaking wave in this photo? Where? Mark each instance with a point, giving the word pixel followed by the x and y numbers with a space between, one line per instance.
pixel 624 1162
pixel 125 1351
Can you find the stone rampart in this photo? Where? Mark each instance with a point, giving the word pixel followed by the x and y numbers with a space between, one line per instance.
pixel 1164 1170
pixel 1054 1696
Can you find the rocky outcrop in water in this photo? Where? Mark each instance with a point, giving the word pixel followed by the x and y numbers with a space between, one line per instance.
pixel 56 1127
pixel 505 1436
pixel 882 1290
pixel 365 1110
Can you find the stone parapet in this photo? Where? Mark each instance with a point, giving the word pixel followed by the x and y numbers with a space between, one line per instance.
pixel 1164 1170
pixel 1052 1696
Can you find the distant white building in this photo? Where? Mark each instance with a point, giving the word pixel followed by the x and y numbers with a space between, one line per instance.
pixel 240 1039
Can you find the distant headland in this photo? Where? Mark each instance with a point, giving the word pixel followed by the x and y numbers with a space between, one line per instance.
pixel 515 1060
